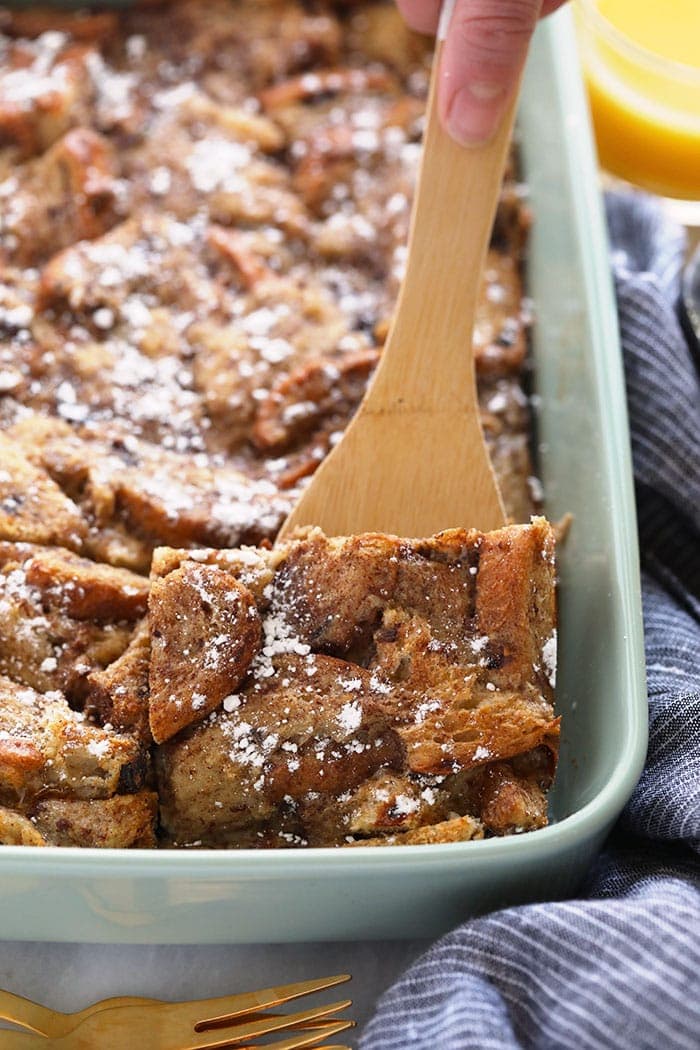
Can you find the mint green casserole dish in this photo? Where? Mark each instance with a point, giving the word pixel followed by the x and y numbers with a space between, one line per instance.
pixel 142 896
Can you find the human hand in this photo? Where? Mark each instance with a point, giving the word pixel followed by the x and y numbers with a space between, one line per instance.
pixel 482 58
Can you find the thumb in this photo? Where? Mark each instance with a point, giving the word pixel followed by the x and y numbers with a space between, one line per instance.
pixel 482 57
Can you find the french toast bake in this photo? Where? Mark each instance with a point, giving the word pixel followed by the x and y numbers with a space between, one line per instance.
pixel 203 220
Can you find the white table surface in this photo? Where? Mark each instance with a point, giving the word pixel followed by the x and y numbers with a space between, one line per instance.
pixel 70 976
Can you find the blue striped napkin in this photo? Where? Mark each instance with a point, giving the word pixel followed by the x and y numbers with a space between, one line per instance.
pixel 618 967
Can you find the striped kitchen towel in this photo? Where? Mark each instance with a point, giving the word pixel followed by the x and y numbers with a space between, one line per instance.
pixel 619 966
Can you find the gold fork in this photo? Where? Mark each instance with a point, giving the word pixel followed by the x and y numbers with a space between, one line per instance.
pixel 43 1021
pixel 227 1021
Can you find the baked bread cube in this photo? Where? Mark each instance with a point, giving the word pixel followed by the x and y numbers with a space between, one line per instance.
pixel 65 195
pixel 63 616
pixel 119 822
pixel 118 695
pixel 33 509
pixel 45 88
pixel 64 781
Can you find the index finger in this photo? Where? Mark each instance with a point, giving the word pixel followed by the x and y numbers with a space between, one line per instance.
pixel 421 15
pixel 424 15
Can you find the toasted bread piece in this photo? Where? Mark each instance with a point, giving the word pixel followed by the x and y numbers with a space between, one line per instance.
pixel 67 194
pixel 135 495
pixel 63 616
pixel 205 630
pixel 253 567
pixel 304 729
pixel 385 803
pixel 513 795
pixel 119 822
pixel 118 694
pixel 33 509
pixel 85 589
pixel 377 702
pixel 45 88
pixel 45 748
pixel 458 829
pixel 18 830
pixel 515 605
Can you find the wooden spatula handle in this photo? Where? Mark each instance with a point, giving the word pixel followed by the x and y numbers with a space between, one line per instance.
pixel 428 360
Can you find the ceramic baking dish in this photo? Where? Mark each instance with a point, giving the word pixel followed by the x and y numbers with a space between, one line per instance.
pixel 246 896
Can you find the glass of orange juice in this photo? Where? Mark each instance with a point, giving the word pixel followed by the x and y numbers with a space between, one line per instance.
pixel 641 61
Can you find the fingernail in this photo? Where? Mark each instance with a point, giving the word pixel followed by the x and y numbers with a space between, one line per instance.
pixel 475 112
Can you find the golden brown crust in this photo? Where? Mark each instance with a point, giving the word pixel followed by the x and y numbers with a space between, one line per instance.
pixel 85 589
pixel 331 390
pixel 515 603
pixel 45 88
pixel 65 782
pixel 17 830
pixel 512 803
pixel 81 25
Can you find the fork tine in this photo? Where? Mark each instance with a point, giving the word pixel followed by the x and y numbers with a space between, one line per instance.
pixel 245 1029
pixel 204 1041
pixel 228 1022
pixel 296 1042
pixel 203 1011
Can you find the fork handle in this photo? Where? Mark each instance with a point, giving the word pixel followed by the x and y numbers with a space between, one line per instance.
pixel 23 1011
pixel 428 358
pixel 22 1041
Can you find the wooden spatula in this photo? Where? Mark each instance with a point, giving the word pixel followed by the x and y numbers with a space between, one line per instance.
pixel 413 460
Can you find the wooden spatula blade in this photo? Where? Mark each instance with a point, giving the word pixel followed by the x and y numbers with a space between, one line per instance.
pixel 409 474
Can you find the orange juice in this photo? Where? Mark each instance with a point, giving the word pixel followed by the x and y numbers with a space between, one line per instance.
pixel 642 67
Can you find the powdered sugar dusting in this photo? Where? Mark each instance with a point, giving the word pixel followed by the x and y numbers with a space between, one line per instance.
pixel 98 748
pixel 549 658
pixel 350 716
pixel 278 640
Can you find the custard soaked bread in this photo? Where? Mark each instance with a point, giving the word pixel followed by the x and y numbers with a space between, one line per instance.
pixel 203 220
pixel 365 687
